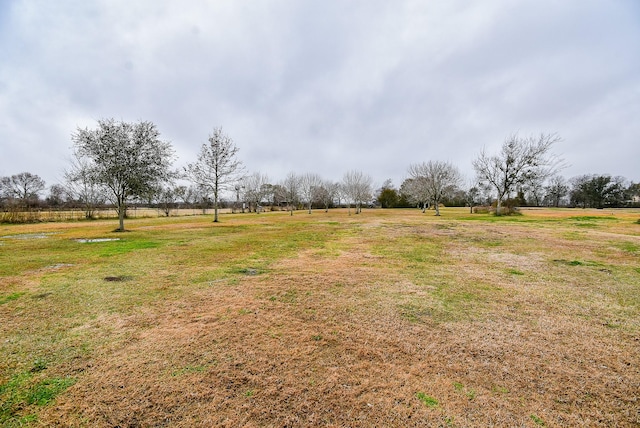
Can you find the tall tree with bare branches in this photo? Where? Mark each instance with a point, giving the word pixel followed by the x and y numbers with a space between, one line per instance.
pixel 310 185
pixel 254 188
pixel 217 167
pixel 291 185
pixel 434 180
pixel 327 192
pixel 25 187
pixel 520 160
pixel 82 186
pixel 357 188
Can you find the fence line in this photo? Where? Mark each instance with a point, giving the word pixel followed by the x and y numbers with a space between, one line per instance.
pixel 107 213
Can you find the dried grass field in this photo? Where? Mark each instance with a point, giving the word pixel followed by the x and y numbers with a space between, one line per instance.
pixel 390 318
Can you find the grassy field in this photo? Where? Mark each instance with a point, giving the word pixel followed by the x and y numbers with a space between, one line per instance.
pixel 387 318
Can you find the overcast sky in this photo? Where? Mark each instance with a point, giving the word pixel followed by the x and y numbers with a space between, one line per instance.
pixel 325 86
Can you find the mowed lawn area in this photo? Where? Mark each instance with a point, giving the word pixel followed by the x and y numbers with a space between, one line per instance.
pixel 386 318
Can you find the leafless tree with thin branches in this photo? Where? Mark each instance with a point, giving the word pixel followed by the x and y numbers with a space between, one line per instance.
pixel 520 160
pixel 357 188
pixel 434 180
pixel 217 167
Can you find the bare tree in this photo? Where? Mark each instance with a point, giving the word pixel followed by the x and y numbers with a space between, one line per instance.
pixel 278 194
pixel 25 187
pixel 269 192
pixel 309 187
pixel 202 197
pixel 415 192
pixel 291 184
pixel 57 195
pixel 82 186
pixel 434 180
pixel 254 190
pixel 534 191
pixel 167 197
pixel 357 188
pixel 129 159
pixel 520 160
pixel 472 195
pixel 184 194
pixel 217 167
pixel 327 193
pixel 556 189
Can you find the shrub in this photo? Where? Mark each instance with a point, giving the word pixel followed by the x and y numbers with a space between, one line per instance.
pixel 508 207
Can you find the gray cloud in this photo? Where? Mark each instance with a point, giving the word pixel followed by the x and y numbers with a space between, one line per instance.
pixel 325 86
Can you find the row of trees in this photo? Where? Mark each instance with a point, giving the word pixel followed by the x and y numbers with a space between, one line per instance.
pixel 584 191
pixel 122 162
pixel 218 169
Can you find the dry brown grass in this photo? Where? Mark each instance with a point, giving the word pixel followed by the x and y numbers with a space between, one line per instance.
pixel 489 317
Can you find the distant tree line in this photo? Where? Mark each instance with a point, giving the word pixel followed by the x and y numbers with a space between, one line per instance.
pixel 120 164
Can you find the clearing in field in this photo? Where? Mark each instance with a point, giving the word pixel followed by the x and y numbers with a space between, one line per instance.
pixel 387 318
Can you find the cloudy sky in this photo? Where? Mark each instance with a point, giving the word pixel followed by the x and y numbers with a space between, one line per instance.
pixel 325 86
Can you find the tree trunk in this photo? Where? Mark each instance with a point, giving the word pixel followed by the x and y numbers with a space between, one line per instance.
pixel 215 206
pixel 437 205
pixel 121 210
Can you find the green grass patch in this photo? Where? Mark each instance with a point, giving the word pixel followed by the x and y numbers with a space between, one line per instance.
pixel 45 391
pixel 20 391
pixel 629 247
pixel 499 389
pixel 491 243
pixel 592 218
pixel 590 221
pixel 578 262
pixel 537 420
pixel 469 392
pixel 9 297
pixel 427 400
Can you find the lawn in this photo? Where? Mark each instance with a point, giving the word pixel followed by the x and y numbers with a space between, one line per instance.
pixel 386 318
